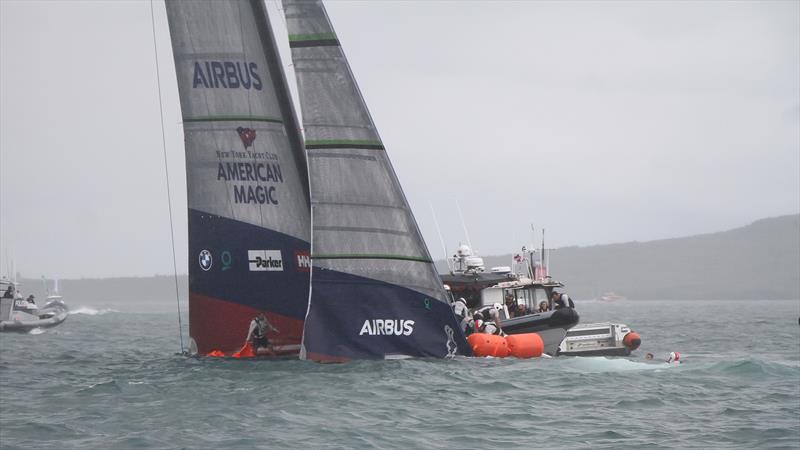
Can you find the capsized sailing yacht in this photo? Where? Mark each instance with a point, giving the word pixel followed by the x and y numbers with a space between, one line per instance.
pixel 249 218
pixel 254 186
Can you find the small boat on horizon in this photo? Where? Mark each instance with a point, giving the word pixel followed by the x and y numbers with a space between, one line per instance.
pixel 610 297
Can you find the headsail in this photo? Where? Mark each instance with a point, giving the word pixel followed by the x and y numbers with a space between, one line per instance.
pixel 249 223
pixel 375 292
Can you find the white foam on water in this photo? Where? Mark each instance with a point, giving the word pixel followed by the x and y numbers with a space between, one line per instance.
pixel 91 311
pixel 599 364
pixel 36 331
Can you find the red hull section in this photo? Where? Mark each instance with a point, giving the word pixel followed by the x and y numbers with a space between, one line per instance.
pixel 222 325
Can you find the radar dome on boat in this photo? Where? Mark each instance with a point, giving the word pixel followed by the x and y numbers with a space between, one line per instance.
pixel 464 250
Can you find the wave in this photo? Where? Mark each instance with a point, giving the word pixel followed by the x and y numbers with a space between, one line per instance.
pixel 599 364
pixel 36 331
pixel 91 311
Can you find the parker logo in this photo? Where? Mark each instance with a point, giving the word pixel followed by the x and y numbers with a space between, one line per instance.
pixel 265 260
pixel 387 327
pixel 247 135
pixel 303 259
pixel 206 260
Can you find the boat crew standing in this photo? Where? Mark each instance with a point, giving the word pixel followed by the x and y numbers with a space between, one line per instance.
pixel 562 300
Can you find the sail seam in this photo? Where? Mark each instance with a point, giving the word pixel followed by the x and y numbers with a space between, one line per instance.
pixel 371 256
pixel 344 143
pixel 342 156
pixel 363 205
pixel 312 37
pixel 362 230
pixel 232 119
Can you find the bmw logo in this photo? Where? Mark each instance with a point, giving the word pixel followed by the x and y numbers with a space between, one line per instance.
pixel 206 260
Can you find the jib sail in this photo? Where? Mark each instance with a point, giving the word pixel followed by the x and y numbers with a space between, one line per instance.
pixel 375 292
pixel 249 223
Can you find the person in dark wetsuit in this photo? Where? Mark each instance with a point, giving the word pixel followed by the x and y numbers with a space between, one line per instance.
pixel 9 292
pixel 257 334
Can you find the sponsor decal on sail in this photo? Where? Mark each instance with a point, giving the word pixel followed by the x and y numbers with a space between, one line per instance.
pixel 226 75
pixel 227 260
pixel 257 172
pixel 206 260
pixel 387 327
pixel 265 260
pixel 303 259
pixel 247 135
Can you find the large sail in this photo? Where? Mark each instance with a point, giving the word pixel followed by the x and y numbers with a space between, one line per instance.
pixel 375 292
pixel 249 222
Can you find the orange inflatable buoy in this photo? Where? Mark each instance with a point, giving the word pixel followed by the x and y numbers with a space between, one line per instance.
pixel 483 344
pixel 215 354
pixel 632 341
pixel 526 345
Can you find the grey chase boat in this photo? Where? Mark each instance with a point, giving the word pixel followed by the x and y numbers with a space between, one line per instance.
pixel 21 315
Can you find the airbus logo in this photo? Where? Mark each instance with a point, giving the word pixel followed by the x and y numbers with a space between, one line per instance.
pixel 387 327
pixel 206 260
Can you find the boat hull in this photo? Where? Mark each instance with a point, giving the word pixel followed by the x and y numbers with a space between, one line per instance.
pixel 551 326
pixel 54 313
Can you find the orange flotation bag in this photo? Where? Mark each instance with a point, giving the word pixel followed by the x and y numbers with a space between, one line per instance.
pixel 527 345
pixel 483 344
pixel 215 354
pixel 245 352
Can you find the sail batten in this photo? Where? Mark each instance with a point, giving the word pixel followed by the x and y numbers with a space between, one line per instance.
pixel 369 262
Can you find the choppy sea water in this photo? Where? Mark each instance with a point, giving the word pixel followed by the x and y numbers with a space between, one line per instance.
pixel 107 379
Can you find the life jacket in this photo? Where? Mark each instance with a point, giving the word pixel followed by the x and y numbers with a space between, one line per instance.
pixel 260 330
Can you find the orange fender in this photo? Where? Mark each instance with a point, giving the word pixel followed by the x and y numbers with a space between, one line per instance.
pixel 632 341
pixel 215 354
pixel 527 345
pixel 483 344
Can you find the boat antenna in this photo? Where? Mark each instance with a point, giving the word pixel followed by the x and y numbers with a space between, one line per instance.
pixel 46 289
pixel 464 225
pixel 441 239
pixel 541 257
pixel 166 171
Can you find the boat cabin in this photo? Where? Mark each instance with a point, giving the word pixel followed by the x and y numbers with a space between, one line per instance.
pixel 526 295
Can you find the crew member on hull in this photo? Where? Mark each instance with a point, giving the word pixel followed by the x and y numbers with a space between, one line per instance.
pixel 492 323
pixel 257 334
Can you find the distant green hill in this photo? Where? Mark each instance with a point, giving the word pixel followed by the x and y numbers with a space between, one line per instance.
pixel 758 261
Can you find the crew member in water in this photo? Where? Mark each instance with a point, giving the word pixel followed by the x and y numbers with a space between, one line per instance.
pixel 257 334
pixel 562 300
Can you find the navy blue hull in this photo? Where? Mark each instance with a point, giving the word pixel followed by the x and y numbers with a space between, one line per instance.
pixel 395 322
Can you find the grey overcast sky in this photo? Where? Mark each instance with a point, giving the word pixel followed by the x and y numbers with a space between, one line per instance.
pixel 600 121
